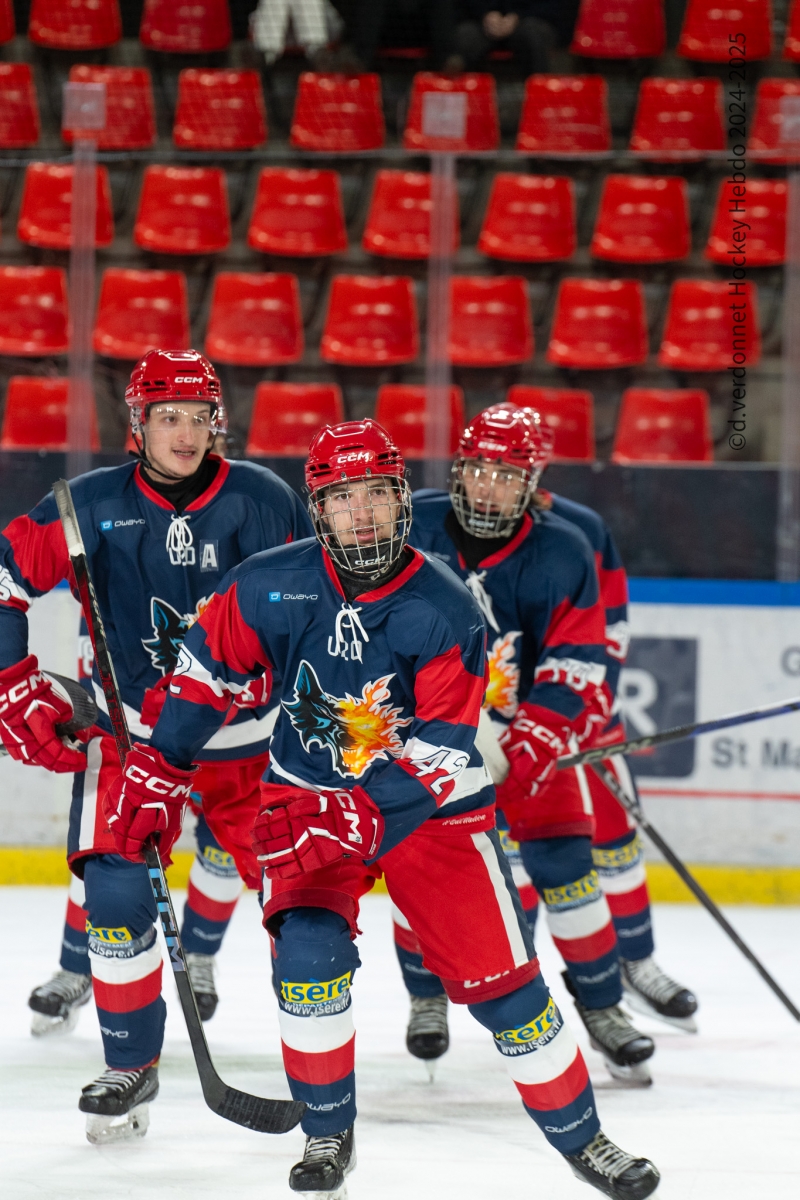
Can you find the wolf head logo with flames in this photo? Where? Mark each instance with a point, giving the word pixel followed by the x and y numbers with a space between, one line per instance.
pixel 503 687
pixel 170 628
pixel 356 730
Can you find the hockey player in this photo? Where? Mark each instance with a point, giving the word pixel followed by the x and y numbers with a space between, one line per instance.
pixel 160 534
pixel 380 651
pixel 533 575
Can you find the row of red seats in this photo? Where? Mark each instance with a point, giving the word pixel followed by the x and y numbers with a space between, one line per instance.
pixel 529 218
pixel 604 29
pixel 255 320
pixel 654 425
pixel 562 115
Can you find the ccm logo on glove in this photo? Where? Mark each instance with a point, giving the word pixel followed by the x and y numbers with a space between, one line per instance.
pixel 31 706
pixel 148 799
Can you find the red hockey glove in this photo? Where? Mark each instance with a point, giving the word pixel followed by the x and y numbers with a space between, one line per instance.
pixel 154 700
pixel 298 830
pixel 531 746
pixel 31 705
pixel 592 722
pixel 149 797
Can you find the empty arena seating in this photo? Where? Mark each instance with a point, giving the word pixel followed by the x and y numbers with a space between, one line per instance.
pixel 620 29
pixel 130 112
pixel 642 218
pixel 399 218
pixel 77 25
pixel 287 415
pixel 219 110
pixel 255 320
pixel 19 111
pixel 529 218
pixel 371 321
pixel 338 113
pixel 472 106
pixel 139 311
pixel 598 323
pixel 7 26
pixel 700 335
pixel 33 311
pixel 570 414
pixel 565 115
pixel 181 27
pixel 663 425
pixel 45 215
pixel 764 142
pixel 791 46
pixel 708 27
pixel 297 212
pixel 35 416
pixel 764 216
pixel 183 210
pixel 678 119
pixel 490 321
pixel 401 410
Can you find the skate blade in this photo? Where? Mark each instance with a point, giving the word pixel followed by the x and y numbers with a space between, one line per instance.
pixel 430 1068
pixel 104 1131
pixel 44 1026
pixel 339 1193
pixel 639 1004
pixel 634 1076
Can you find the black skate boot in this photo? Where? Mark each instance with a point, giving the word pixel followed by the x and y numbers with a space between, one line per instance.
pixel 427 1036
pixel 613 1172
pixel 648 990
pixel 117 1104
pixel 623 1048
pixel 201 973
pixel 56 1004
pixel 326 1163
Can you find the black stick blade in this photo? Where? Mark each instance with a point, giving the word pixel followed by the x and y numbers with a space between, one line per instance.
pixel 262 1116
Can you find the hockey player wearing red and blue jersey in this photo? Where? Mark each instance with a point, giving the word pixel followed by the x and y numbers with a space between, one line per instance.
pixel 379 651
pixel 534 576
pixel 160 534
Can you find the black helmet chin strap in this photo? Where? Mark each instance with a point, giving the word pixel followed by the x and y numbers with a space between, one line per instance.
pixel 140 454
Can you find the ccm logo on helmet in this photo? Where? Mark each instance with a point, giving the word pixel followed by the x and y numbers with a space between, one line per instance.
pixel 358 456
pixel 188 378
pixel 20 690
pixel 162 787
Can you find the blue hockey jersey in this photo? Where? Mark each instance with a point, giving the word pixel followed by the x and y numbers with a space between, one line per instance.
pixel 154 573
pixel 385 691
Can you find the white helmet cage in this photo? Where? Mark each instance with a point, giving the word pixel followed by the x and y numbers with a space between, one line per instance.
pixel 371 558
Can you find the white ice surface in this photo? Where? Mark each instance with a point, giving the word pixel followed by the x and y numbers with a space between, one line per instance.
pixel 721 1121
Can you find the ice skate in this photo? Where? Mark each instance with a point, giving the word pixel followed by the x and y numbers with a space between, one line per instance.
pixel 201 973
pixel 427 1036
pixel 56 1004
pixel 648 990
pixel 624 1049
pixel 612 1171
pixel 327 1161
pixel 117 1104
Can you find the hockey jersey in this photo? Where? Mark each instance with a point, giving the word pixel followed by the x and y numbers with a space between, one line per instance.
pixel 540 600
pixel 384 692
pixel 154 572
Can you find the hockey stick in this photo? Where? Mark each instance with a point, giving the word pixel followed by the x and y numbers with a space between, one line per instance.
pixel 635 809
pixel 678 734
pixel 254 1112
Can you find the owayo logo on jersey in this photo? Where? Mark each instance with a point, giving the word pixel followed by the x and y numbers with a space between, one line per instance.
pixel 356 730
pixel 169 628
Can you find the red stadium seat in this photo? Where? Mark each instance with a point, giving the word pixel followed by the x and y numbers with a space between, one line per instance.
pixel 709 26
pixel 620 29
pixel 7 26
pixel 529 218
pixel 598 323
pixel 642 218
pixel 19 112
pixel 791 46
pixel 287 415
pixel 401 411
pixel 338 113
pixel 481 122
pixel 45 214
pixel 255 320
pixel 140 311
pixel 663 425
pixel 130 113
pixel 371 321
pixel 763 210
pixel 75 24
pixel 183 210
pixel 399 220
pixel 764 141
pixel 565 116
pixel 678 119
pixel 570 414
pixel 33 311
pixel 185 26
pixel 297 213
pixel 699 334
pixel 490 321
pixel 219 110
pixel 35 416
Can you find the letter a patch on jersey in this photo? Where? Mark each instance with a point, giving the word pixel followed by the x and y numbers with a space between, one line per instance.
pixel 356 730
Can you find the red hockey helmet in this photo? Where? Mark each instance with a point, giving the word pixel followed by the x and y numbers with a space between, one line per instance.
pixel 346 466
pixel 488 500
pixel 164 376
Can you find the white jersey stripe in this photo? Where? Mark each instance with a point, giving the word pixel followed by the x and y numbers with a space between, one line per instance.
pixel 77 891
pixel 486 848
pixel 91 779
